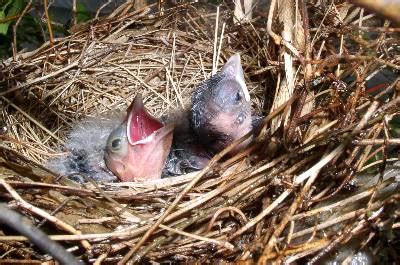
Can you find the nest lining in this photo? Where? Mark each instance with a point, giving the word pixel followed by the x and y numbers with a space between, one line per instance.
pixel 238 204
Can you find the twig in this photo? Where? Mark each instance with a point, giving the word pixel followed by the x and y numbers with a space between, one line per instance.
pixel 393 141
pixel 80 237
pixel 217 213
pixel 40 185
pixel 181 195
pixel 215 58
pixel 32 119
pixel 46 12
pixel 42 213
pixel 389 9
pixel 101 8
pixel 197 237
pixel 35 235
pixel 278 39
pixel 73 14
pixel 14 44
pixel 221 38
pixel 100 259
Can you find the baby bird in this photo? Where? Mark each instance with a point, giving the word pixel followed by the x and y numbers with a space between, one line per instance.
pixel 221 108
pixel 131 147
pixel 138 148
pixel 84 150
pixel 187 153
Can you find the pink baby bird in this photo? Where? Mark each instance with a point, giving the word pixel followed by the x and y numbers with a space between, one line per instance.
pixel 137 149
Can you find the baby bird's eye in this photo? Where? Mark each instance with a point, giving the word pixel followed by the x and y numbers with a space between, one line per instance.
pixel 238 97
pixel 116 143
pixel 240 118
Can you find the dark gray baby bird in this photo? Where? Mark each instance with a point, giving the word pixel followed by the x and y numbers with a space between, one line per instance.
pixel 221 108
pixel 220 114
pixel 83 152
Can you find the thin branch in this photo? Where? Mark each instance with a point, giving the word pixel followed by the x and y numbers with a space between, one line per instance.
pixel 14 44
pixel 46 12
pixel 24 204
pixel 35 235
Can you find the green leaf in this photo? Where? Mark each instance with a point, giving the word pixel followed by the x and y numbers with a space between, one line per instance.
pixel 82 14
pixel 16 7
pixel 6 11
pixel 3 26
pixel 4 5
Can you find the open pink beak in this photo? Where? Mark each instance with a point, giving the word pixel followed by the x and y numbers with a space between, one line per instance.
pixel 138 148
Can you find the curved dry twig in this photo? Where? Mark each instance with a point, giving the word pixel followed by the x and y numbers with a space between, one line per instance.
pixel 220 211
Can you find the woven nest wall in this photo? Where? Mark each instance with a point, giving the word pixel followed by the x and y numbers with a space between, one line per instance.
pixel 300 190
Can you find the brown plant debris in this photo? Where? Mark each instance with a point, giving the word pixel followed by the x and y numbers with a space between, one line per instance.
pixel 321 173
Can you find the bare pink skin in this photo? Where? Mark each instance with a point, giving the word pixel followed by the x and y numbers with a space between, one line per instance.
pixel 138 148
pixel 224 123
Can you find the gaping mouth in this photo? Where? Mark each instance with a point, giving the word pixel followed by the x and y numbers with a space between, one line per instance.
pixel 142 127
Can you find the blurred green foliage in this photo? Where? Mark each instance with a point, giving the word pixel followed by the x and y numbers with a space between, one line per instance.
pixel 82 14
pixel 9 8
pixel 32 31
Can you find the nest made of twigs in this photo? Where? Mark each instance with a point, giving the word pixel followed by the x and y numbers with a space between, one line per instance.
pixel 264 202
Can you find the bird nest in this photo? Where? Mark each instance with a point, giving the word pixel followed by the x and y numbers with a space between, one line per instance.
pixel 319 173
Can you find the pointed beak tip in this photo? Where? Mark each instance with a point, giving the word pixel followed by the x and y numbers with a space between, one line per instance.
pixel 137 103
pixel 141 125
pixel 236 56
pixel 235 59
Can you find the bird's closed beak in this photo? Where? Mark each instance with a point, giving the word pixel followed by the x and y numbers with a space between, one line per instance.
pixel 221 108
pixel 138 148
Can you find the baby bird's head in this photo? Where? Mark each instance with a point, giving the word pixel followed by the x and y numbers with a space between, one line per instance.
pixel 221 108
pixel 137 149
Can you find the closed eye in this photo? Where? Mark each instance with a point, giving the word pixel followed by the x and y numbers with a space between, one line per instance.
pixel 238 97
